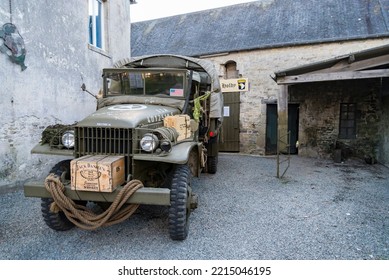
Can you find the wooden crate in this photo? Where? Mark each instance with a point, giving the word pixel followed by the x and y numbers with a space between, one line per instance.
pixel 181 123
pixel 97 173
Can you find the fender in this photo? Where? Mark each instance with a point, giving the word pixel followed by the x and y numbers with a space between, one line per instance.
pixel 178 155
pixel 45 149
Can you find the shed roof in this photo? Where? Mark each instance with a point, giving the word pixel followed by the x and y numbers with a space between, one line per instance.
pixel 370 63
pixel 261 24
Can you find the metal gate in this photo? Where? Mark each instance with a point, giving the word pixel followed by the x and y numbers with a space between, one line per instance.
pixel 230 129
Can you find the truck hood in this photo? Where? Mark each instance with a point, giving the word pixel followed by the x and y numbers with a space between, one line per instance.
pixel 127 115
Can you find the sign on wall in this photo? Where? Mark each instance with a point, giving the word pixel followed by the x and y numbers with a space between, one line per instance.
pixel 234 85
pixel 226 111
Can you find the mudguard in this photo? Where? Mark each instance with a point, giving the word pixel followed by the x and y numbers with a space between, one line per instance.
pixel 45 149
pixel 178 155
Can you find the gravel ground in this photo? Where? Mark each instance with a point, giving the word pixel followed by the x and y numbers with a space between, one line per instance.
pixel 319 210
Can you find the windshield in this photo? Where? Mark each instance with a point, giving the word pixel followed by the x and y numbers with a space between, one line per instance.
pixel 161 84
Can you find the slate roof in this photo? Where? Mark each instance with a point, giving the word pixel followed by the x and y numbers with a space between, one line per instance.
pixel 261 24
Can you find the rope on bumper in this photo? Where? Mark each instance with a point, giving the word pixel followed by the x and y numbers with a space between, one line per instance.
pixel 85 218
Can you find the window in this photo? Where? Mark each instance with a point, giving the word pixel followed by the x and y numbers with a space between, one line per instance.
pixel 347 126
pixel 96 23
pixel 160 84
pixel 231 71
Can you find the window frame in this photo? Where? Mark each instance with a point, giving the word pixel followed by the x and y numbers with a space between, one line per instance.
pixel 108 72
pixel 347 121
pixel 96 24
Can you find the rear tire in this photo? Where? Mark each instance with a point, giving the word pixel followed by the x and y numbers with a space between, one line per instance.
pixel 213 155
pixel 212 164
pixel 180 196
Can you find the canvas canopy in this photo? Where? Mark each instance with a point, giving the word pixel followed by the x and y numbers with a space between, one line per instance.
pixel 182 62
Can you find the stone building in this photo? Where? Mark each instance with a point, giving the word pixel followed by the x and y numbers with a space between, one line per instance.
pixel 63 45
pixel 343 105
pixel 258 41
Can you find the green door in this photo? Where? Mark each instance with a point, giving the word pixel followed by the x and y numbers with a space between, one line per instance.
pixel 230 129
pixel 272 127
pixel 293 124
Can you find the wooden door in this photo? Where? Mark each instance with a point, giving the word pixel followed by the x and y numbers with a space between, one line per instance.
pixel 230 129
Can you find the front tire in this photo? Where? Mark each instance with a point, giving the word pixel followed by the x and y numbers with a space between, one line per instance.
pixel 180 195
pixel 58 220
pixel 55 221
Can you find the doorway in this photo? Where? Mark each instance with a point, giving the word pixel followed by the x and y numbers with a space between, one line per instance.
pixel 230 128
pixel 272 127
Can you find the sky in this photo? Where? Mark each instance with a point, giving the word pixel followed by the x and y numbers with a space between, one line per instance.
pixel 152 9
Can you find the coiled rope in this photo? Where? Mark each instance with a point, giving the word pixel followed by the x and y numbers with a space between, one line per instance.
pixel 85 218
pixel 168 133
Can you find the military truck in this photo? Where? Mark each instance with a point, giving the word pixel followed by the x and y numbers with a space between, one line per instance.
pixel 157 123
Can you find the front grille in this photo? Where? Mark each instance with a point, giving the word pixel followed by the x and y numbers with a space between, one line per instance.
pixel 104 141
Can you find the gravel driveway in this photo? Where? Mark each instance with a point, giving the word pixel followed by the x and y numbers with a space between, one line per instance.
pixel 319 210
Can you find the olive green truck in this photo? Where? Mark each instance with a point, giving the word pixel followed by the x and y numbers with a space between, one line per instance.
pixel 157 124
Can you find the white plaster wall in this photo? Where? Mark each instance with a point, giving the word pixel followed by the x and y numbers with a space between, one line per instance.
pixel 49 91
pixel 259 65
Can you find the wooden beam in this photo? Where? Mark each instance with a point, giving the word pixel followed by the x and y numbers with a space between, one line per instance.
pixel 282 119
pixel 345 65
pixel 334 76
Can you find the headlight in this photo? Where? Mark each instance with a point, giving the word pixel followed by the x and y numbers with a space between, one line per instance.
pixel 149 142
pixel 68 139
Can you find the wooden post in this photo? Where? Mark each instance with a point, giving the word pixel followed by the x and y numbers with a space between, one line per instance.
pixel 282 108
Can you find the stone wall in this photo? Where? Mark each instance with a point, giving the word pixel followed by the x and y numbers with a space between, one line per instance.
pixel 383 142
pixel 320 114
pixel 259 65
pixel 59 59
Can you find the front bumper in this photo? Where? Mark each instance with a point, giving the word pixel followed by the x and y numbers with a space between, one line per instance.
pixel 148 196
